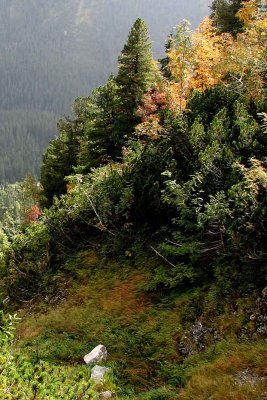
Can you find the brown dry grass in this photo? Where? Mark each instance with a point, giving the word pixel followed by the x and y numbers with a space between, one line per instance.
pixel 125 299
pixel 88 304
pixel 218 380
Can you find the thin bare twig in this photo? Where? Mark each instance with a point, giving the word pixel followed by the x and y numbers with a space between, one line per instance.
pixel 98 216
pixel 7 390
pixel 175 244
pixel 160 255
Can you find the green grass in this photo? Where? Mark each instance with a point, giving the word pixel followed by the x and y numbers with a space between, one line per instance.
pixel 107 304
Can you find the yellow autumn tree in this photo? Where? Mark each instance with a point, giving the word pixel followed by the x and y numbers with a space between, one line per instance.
pixel 204 59
pixel 243 58
pixel 180 64
pixel 194 60
pixel 251 11
pixel 207 52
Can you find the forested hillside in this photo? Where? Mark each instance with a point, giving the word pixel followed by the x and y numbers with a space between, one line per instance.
pixel 148 232
pixel 52 52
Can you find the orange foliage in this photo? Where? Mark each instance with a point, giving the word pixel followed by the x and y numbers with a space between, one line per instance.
pixel 154 102
pixel 33 214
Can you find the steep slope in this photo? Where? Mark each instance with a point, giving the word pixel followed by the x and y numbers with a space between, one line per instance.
pixel 52 52
pixel 145 333
pixel 154 247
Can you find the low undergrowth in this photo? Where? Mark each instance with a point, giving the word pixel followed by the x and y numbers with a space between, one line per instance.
pixel 142 330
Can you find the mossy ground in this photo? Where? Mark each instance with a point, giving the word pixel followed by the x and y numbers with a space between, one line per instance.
pixel 106 303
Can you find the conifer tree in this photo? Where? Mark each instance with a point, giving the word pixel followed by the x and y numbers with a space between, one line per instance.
pixel 99 140
pixel 224 16
pixel 164 62
pixel 58 162
pixel 136 75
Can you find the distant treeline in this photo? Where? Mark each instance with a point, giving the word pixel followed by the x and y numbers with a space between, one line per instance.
pixel 23 135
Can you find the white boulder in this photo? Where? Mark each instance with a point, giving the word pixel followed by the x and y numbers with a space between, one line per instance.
pixel 98 373
pixel 106 395
pixel 97 355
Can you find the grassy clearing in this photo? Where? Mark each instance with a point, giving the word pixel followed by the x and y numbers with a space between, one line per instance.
pixel 103 306
pixel 141 331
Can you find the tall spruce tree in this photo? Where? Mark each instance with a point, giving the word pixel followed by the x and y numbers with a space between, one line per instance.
pixel 224 16
pixel 105 121
pixel 101 144
pixel 136 74
pixel 58 162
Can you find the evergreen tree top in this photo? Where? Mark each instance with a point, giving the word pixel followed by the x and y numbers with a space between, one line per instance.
pixel 136 56
pixel 138 39
pixel 224 16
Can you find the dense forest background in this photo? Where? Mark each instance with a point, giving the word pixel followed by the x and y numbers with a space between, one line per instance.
pixel 52 52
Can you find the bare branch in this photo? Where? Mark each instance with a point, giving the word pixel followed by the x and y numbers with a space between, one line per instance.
pixel 160 255
pixel 98 216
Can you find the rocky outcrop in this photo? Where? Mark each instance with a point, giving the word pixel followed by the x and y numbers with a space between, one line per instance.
pixel 261 313
pixel 98 354
pixel 196 339
pixel 247 377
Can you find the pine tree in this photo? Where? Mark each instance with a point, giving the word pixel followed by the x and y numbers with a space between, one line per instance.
pixel 101 145
pixel 58 162
pixel 164 62
pixel 136 75
pixel 224 16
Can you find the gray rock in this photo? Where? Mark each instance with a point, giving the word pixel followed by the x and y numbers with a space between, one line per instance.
pixel 260 314
pixel 97 355
pixel 98 373
pixel 196 339
pixel 246 377
pixel 198 333
pixel 106 395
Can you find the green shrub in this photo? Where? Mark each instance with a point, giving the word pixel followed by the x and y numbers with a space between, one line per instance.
pixel 159 394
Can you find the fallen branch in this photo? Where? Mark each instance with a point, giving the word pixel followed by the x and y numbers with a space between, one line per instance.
pixel 160 255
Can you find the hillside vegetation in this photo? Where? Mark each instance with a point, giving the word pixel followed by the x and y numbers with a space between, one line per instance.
pixel 52 52
pixel 148 234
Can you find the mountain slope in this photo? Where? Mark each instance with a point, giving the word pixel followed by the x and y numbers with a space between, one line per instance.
pixel 52 52
pixel 145 333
